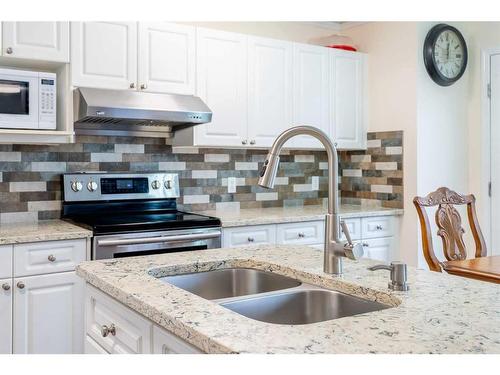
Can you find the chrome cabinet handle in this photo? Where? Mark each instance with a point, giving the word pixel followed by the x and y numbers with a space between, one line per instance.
pixel 144 86
pixel 6 286
pixel 252 142
pixel 301 235
pixel 244 142
pixel 51 258
pixel 250 239
pixel 379 227
pixel 132 85
pixel 20 285
pixel 105 330
pixel 9 50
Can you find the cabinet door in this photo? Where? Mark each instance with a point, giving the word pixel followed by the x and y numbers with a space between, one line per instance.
pixel 348 119
pixel 221 69
pixel 47 41
pixel 379 249
pixel 311 91
pixel 270 89
pixel 167 343
pixel 48 314
pixel 5 316
pixel 166 58
pixel 104 54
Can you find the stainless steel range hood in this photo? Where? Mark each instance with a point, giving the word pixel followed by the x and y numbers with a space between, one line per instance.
pixel 134 113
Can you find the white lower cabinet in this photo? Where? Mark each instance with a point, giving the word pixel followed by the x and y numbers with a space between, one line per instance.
pixel 379 248
pixel 251 235
pixel 5 316
pixel 113 328
pixel 376 233
pixel 48 314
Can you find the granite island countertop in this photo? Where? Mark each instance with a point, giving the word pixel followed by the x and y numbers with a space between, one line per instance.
pixel 440 313
pixel 45 230
pixel 277 215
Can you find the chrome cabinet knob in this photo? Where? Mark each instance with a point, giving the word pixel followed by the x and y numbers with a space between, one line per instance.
pixel 132 85
pixel 365 244
pixel 106 331
pixel 252 142
pixel 379 227
pixel 250 239
pixel 20 285
pixel 92 186
pixel 144 86
pixel 6 286
pixel 301 235
pixel 76 186
pixel 51 258
pixel 244 142
pixel 9 50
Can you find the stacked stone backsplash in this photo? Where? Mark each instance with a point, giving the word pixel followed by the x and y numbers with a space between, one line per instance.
pixel 30 175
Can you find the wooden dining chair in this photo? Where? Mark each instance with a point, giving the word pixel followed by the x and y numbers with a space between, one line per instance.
pixel 449 225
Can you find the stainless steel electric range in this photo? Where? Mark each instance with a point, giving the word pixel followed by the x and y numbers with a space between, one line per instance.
pixel 135 214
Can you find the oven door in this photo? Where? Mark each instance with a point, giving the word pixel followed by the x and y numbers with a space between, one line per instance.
pixel 147 243
pixel 18 101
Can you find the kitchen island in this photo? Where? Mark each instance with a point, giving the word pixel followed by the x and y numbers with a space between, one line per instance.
pixel 439 314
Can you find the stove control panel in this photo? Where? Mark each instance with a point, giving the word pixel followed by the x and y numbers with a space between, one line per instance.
pixel 119 186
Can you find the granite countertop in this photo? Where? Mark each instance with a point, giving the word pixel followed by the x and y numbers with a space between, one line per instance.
pixel 440 313
pixel 276 215
pixel 46 230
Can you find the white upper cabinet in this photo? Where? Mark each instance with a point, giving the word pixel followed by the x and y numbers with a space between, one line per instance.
pixel 222 84
pixel 311 91
pixel 47 41
pixel 104 54
pixel 270 89
pixel 347 85
pixel 166 58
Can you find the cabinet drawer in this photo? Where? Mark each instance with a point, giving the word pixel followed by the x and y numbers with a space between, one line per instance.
pixel 376 227
pixel 311 232
pixel 354 225
pixel 132 332
pixel 5 261
pixel 91 347
pixel 167 343
pixel 379 249
pixel 48 257
pixel 252 235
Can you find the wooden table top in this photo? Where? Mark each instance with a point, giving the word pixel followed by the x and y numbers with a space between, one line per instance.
pixel 485 268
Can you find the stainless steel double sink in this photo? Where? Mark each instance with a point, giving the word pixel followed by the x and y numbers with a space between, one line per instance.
pixel 271 298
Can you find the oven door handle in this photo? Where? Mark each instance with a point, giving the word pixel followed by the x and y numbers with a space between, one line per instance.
pixel 146 240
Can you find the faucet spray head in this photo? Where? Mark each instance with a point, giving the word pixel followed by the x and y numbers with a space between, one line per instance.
pixel 269 170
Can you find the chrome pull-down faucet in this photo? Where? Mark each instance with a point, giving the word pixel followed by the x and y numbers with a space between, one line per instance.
pixel 335 249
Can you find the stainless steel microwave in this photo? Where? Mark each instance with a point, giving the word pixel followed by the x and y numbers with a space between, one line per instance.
pixel 27 99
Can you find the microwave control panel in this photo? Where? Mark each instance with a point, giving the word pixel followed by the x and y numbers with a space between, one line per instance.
pixel 47 107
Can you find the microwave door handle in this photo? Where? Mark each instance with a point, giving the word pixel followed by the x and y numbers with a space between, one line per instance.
pixel 158 239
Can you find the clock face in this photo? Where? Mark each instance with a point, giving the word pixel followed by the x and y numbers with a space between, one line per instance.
pixel 445 54
pixel 449 54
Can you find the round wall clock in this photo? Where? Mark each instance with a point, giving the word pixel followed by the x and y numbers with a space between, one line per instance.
pixel 445 54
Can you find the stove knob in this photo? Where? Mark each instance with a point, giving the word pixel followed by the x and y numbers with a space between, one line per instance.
pixel 76 186
pixel 155 184
pixel 92 186
pixel 168 184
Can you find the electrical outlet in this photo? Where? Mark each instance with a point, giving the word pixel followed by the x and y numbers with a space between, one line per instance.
pixel 315 183
pixel 231 184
